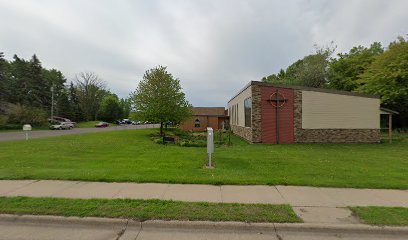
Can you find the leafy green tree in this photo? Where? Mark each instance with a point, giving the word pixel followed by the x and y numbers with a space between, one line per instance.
pixel 56 80
pixel 345 71
pixel 39 88
pixel 126 107
pixel 159 98
pixel 110 109
pixel 3 80
pixel 387 77
pixel 90 92
pixel 310 71
pixel 63 106
pixel 20 83
pixel 75 109
pixel 20 114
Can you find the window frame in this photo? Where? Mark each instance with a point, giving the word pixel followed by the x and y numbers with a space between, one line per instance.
pixel 195 123
pixel 248 112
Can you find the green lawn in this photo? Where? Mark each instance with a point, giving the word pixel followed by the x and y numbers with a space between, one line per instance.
pixel 392 216
pixel 130 155
pixel 149 209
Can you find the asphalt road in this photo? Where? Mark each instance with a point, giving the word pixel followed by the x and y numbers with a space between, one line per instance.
pixel 47 228
pixel 20 135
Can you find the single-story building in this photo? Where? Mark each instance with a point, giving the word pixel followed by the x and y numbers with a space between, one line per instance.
pixel 204 117
pixel 270 113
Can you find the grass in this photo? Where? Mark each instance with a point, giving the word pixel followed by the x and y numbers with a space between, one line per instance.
pixel 130 156
pixel 148 209
pixel 391 216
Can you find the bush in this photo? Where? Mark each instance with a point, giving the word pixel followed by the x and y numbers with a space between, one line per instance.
pixel 3 120
pixel 20 114
pixel 11 127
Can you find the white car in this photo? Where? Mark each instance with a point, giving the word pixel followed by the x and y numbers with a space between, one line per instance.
pixel 62 125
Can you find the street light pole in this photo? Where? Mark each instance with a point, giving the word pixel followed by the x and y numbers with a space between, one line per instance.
pixel 52 102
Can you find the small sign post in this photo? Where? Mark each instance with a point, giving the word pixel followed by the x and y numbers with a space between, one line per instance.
pixel 210 145
pixel 26 128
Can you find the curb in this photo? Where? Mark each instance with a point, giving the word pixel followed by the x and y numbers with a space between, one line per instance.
pixel 203 225
pixel 284 227
pixel 44 219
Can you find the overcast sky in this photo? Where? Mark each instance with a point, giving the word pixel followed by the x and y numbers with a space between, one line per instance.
pixel 213 47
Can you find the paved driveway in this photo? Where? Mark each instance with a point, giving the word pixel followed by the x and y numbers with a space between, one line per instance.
pixel 20 135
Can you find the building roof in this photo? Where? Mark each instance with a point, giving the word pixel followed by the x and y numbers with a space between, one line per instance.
pixel 325 90
pixel 208 111
pixel 387 111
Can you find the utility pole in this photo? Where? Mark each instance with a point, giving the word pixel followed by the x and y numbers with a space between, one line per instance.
pixel 52 102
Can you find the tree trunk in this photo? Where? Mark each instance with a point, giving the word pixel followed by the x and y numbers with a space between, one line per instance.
pixel 161 128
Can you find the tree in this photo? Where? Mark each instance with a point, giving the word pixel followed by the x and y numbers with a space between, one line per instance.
pixel 345 71
pixel 90 91
pixel 159 98
pixel 75 109
pixel 39 88
pixel 4 93
pixel 20 82
pixel 63 106
pixel 56 80
pixel 110 108
pixel 310 71
pixel 387 77
pixel 126 107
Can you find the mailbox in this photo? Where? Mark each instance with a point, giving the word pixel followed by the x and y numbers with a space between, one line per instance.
pixel 27 127
pixel 210 144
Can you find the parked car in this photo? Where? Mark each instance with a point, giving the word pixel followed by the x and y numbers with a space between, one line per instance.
pixel 102 124
pixel 126 121
pixel 62 125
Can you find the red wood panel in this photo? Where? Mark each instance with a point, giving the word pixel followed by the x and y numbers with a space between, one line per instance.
pixel 268 116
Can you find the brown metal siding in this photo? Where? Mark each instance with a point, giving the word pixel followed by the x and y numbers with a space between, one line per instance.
pixel 268 116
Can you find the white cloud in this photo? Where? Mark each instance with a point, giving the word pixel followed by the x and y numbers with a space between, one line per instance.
pixel 214 47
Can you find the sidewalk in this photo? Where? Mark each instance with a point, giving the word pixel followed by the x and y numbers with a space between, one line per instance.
pixel 312 204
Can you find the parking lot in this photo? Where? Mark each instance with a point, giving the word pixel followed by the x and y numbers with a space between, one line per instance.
pixel 20 135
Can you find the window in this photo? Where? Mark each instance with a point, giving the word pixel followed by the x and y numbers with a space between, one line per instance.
pixel 197 123
pixel 232 115
pixel 229 114
pixel 247 110
pixel 237 115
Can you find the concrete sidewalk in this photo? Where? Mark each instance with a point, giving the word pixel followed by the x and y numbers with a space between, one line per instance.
pixel 312 204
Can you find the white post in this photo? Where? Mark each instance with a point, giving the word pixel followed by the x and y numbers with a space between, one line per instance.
pixel 210 145
pixel 26 128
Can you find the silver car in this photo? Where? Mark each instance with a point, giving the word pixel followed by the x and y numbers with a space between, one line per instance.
pixel 62 125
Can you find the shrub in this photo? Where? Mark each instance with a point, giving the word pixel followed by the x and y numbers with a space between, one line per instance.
pixel 20 114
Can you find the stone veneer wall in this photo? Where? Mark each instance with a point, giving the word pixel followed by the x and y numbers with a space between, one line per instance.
pixel 256 114
pixel 329 135
pixel 243 132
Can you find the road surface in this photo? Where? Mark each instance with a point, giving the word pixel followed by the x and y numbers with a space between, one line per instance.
pixel 20 135
pixel 47 228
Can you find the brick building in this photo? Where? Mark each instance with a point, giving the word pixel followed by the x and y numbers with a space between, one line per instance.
pixel 204 117
pixel 271 113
